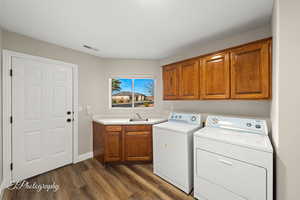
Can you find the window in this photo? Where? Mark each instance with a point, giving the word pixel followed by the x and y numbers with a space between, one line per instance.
pixel 132 93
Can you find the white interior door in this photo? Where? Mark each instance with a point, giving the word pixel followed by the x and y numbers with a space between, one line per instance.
pixel 42 94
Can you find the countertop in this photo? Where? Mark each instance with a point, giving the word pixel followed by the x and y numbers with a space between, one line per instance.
pixel 126 121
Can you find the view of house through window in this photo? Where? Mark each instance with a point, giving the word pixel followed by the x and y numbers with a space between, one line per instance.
pixel 129 93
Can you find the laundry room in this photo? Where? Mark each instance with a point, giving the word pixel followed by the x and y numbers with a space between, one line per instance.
pixel 149 99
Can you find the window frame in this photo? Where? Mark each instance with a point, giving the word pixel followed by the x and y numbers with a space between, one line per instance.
pixel 132 77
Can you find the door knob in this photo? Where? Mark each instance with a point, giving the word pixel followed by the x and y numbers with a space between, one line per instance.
pixel 69 113
pixel 69 120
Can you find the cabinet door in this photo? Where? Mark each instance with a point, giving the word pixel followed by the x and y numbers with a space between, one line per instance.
pixel 250 72
pixel 98 141
pixel 113 146
pixel 170 82
pixel 215 76
pixel 138 146
pixel 189 80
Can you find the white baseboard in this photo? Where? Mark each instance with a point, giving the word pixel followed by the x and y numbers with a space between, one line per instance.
pixel 85 156
pixel 2 188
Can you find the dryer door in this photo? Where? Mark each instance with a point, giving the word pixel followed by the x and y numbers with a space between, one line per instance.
pixel 246 180
pixel 170 156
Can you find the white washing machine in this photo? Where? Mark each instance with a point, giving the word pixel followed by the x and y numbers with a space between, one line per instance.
pixel 233 160
pixel 173 149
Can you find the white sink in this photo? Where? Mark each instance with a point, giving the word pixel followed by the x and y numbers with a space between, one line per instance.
pixel 124 121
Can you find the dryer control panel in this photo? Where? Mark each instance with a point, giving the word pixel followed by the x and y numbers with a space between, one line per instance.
pixel 257 126
pixel 185 117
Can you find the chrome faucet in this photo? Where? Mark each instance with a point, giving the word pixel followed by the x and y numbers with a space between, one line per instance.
pixel 139 118
pixel 138 115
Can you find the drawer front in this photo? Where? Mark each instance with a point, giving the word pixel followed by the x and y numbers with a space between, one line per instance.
pixel 113 128
pixel 138 128
pixel 133 133
pixel 241 178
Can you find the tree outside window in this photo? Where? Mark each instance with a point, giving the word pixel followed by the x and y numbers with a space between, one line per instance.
pixel 132 93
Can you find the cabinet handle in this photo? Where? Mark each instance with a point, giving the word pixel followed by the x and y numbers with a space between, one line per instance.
pixel 225 162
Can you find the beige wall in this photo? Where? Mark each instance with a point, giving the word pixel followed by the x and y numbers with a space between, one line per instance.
pixel 219 44
pixel 286 27
pixel 131 67
pixel 275 73
pixel 90 76
pixel 1 160
pixel 94 73
pixel 249 108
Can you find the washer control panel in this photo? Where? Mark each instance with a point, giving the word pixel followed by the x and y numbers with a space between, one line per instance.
pixel 240 124
pixel 186 117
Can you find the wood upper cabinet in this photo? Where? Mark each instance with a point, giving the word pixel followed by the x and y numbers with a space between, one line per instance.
pixel 242 72
pixel 170 82
pixel 119 143
pixel 189 80
pixel 215 76
pixel 250 71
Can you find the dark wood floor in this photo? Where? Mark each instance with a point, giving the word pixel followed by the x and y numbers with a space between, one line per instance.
pixel 90 180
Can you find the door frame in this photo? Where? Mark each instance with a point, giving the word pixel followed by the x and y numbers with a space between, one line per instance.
pixel 7 108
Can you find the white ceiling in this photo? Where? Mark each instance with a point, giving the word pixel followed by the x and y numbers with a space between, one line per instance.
pixel 151 29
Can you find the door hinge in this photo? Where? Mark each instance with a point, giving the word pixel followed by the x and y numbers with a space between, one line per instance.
pixel 10 72
pixel 11 119
pixel 11 166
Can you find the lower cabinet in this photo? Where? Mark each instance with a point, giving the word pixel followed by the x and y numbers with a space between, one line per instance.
pixel 126 143
pixel 138 143
pixel 113 143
